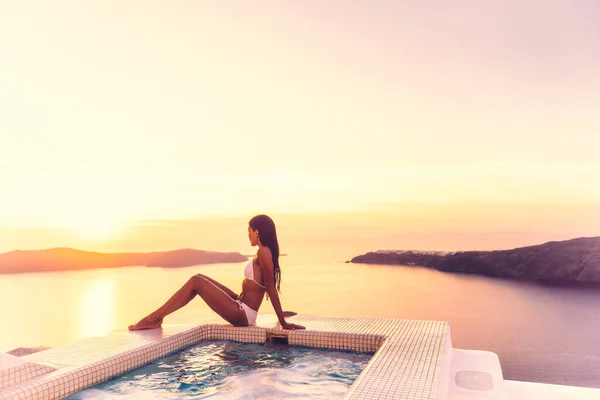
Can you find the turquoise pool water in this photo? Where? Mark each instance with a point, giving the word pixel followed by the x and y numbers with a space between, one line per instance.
pixel 232 370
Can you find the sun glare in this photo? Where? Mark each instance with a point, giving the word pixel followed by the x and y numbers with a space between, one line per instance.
pixel 98 229
pixel 98 226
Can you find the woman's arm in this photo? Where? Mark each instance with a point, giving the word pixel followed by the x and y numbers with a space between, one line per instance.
pixel 265 260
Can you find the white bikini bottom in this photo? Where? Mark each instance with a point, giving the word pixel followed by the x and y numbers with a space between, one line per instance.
pixel 250 313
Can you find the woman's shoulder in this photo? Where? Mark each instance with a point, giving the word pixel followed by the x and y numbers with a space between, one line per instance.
pixel 263 251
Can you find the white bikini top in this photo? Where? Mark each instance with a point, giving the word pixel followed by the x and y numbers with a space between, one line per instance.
pixel 249 273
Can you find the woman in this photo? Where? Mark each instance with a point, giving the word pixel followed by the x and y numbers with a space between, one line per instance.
pixel 262 274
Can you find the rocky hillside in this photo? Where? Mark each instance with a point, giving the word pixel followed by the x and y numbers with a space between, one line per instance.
pixel 576 260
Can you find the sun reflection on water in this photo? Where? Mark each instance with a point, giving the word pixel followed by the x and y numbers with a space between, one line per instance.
pixel 97 309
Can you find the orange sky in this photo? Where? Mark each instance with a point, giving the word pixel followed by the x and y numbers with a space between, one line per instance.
pixel 412 120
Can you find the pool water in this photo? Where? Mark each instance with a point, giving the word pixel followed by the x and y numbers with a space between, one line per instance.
pixel 233 370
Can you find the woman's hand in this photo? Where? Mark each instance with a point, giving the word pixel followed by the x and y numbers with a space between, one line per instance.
pixel 291 327
pixel 288 314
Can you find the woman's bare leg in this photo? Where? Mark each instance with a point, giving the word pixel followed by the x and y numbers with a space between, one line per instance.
pixel 224 288
pixel 219 301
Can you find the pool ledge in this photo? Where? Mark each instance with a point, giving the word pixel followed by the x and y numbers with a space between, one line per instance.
pixel 409 360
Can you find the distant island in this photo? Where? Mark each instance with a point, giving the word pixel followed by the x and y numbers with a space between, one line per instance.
pixel 576 260
pixel 65 259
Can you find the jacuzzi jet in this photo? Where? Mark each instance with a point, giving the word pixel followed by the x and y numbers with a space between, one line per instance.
pixel 276 339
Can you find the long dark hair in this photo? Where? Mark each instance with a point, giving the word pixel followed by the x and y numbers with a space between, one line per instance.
pixel 268 237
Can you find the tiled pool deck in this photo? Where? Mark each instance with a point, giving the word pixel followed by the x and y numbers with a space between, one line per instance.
pixel 407 364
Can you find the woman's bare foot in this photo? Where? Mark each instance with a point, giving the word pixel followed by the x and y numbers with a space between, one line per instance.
pixel 288 314
pixel 148 322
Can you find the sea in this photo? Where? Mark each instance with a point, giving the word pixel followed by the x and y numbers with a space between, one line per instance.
pixel 541 332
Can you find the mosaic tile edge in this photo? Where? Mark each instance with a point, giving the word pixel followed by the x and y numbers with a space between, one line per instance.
pixel 385 338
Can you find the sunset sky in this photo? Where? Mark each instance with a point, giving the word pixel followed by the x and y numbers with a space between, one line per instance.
pixel 123 125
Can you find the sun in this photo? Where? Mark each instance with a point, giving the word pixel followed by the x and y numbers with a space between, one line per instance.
pixel 98 229
pixel 94 226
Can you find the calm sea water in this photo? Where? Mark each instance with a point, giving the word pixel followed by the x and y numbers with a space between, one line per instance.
pixel 541 333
